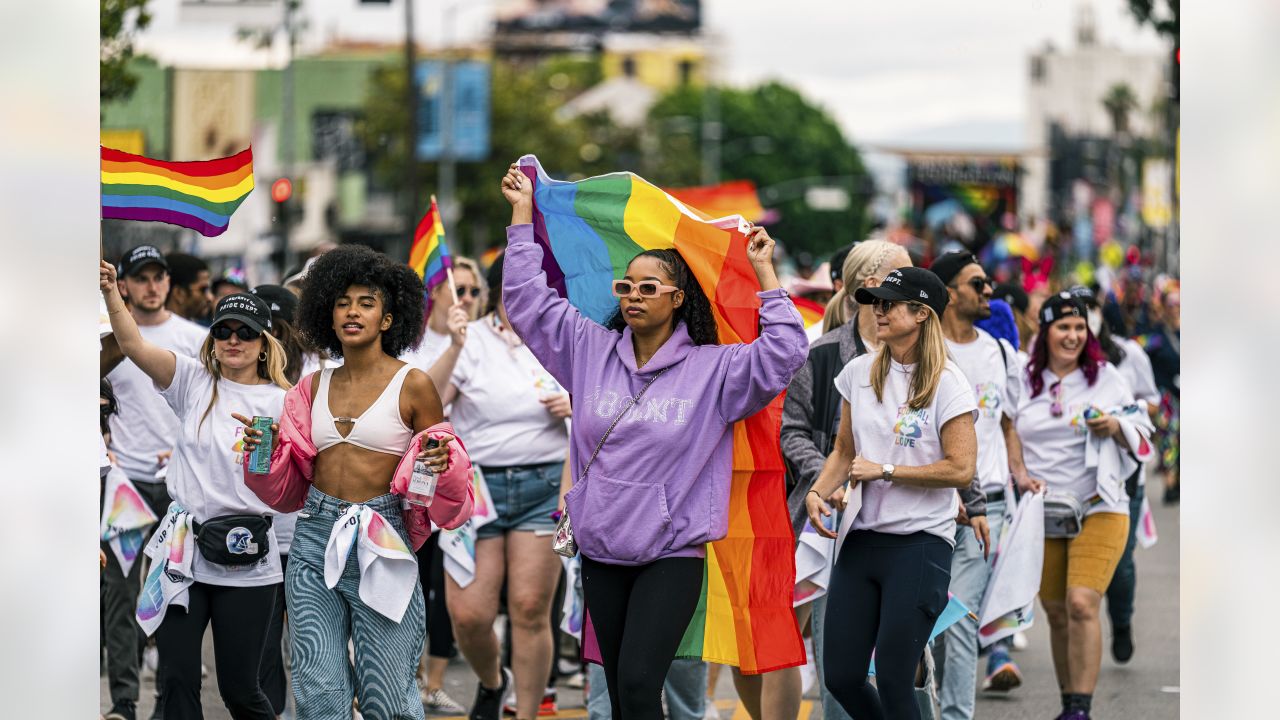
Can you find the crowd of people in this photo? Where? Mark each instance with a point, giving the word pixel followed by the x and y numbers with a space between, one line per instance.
pixel 928 407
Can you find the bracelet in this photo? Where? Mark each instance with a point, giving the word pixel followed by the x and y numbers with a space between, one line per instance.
pixel 815 492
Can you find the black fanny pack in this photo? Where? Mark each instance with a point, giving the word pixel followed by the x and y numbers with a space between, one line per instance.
pixel 233 539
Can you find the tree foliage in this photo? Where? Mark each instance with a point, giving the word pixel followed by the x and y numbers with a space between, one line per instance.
pixel 1148 12
pixel 1119 103
pixel 119 21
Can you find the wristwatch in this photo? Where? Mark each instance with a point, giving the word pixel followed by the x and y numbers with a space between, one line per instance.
pixel 887 470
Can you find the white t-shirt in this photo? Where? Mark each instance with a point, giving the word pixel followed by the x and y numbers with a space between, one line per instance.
pixel 1136 369
pixel 891 432
pixel 425 355
pixel 311 363
pixel 498 410
pixel 995 383
pixel 205 475
pixel 145 426
pixel 1053 448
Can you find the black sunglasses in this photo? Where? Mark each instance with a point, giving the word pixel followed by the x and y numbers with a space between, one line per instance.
pixel 463 290
pixel 977 283
pixel 244 332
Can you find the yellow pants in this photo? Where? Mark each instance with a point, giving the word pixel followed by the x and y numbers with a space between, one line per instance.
pixel 1087 560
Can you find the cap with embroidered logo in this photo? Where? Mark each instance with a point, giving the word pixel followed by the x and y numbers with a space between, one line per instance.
pixel 911 284
pixel 248 309
pixel 1059 306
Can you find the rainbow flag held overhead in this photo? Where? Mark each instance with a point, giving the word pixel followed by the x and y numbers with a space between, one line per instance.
pixel 429 255
pixel 199 195
pixel 736 197
pixel 590 230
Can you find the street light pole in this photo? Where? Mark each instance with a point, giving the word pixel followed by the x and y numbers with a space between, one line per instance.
pixel 287 130
pixel 446 168
pixel 400 247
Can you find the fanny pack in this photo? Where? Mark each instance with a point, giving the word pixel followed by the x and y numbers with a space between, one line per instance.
pixel 233 539
pixel 1063 515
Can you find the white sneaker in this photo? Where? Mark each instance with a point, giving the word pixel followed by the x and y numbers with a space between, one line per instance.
pixel 150 661
pixel 711 712
pixel 438 702
pixel 1020 641
pixel 808 671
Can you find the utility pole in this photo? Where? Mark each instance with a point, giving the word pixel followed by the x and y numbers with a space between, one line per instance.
pixel 447 170
pixel 400 248
pixel 287 149
pixel 711 134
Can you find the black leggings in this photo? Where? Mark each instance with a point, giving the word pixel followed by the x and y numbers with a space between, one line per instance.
pixel 241 617
pixel 886 592
pixel 273 675
pixel 431 575
pixel 640 614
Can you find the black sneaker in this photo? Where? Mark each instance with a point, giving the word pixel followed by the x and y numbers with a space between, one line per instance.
pixel 488 704
pixel 1122 644
pixel 122 710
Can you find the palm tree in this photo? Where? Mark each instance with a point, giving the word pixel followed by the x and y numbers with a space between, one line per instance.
pixel 1119 102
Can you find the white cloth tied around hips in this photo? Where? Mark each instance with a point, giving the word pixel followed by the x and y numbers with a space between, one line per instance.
pixel 388 570
pixel 1114 465
pixel 172 548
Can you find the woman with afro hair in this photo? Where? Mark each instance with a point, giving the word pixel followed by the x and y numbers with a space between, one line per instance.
pixel 655 398
pixel 346 448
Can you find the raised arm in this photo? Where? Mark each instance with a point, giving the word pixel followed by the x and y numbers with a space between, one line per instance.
pixel 551 327
pixel 159 364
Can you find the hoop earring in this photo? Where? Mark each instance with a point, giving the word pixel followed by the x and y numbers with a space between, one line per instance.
pixel 262 356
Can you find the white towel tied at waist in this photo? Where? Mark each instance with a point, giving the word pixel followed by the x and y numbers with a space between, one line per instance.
pixel 388 570
pixel 171 550
pixel 1112 462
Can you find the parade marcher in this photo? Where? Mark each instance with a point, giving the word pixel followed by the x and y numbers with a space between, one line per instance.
pixel 233 574
pixel 906 443
pixel 344 451
pixel 189 293
pixel 445 331
pixel 230 282
pixel 1161 338
pixel 1129 358
pixel 1069 392
pixel 650 492
pixel 811 416
pixel 992 368
pixel 143 433
pixel 512 413
pixel 1018 300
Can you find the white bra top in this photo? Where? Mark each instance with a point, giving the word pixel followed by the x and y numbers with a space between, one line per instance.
pixel 380 428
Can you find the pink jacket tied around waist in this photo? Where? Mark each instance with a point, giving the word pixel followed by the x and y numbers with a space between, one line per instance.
pixel 293 460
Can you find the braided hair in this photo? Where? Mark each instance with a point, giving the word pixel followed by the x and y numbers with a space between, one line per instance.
pixel 696 309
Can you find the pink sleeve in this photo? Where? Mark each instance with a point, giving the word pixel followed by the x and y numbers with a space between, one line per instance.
pixel 454 498
pixel 284 487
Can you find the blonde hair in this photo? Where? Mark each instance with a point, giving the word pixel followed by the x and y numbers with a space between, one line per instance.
pixel 867 259
pixel 930 359
pixel 467 263
pixel 272 368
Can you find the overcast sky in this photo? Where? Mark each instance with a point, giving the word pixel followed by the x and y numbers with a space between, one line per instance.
pixel 891 71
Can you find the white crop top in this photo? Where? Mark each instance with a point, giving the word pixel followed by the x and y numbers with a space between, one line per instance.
pixel 380 428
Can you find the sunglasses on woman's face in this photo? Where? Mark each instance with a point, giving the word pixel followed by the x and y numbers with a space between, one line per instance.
pixel 884 307
pixel 463 290
pixel 244 332
pixel 1055 399
pixel 647 288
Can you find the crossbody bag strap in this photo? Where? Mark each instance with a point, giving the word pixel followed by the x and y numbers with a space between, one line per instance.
pixel 624 410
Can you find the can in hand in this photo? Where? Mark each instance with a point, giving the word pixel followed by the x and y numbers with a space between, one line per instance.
pixel 260 457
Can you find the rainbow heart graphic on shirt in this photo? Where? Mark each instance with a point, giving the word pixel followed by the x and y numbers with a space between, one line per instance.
pixel 237 449
pixel 988 395
pixel 383 535
pixel 909 426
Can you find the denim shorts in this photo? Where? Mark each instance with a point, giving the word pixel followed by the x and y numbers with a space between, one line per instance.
pixel 524 496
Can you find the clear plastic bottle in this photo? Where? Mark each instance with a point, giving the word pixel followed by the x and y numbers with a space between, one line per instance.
pixel 422 484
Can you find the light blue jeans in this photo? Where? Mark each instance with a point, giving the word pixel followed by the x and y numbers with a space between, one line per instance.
pixel 969 575
pixel 685 690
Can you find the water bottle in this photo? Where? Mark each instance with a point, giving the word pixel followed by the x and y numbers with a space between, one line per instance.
pixel 422 484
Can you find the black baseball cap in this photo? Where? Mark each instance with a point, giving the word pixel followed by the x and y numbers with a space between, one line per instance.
pixel 948 266
pixel 1059 306
pixel 837 262
pixel 911 284
pixel 138 258
pixel 1014 295
pixel 283 303
pixel 245 307
pixel 1083 294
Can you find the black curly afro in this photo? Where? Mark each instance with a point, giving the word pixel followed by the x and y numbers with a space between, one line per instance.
pixel 397 284
pixel 696 310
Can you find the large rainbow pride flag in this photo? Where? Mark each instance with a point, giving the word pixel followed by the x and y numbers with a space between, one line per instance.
pixel 199 195
pixel 429 255
pixel 590 230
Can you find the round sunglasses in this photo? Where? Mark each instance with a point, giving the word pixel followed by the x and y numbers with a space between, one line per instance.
pixel 463 290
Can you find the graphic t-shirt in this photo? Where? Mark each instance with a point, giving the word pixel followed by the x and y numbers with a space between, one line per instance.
pixel 889 431
pixel 995 384
pixel 205 475
pixel 145 426
pixel 1053 448
pixel 498 408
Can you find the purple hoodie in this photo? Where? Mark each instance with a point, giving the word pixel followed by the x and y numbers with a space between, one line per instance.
pixel 660 485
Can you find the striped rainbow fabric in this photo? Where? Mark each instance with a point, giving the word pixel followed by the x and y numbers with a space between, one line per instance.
pixel 811 311
pixel 429 255
pixel 592 228
pixel 198 195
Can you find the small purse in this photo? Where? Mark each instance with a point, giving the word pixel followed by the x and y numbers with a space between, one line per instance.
pixel 233 539
pixel 1063 515
pixel 563 542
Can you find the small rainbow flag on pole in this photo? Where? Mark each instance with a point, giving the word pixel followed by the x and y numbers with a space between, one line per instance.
pixel 199 195
pixel 429 255
pixel 589 231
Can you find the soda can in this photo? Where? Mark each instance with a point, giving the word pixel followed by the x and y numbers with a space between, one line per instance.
pixel 260 457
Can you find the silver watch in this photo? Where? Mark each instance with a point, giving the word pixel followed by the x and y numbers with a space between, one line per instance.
pixel 887 470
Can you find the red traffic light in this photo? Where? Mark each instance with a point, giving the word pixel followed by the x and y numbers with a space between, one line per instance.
pixel 281 190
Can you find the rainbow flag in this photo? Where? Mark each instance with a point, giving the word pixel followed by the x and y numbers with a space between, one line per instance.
pixel 198 195
pixel 429 255
pixel 811 311
pixel 589 231
pixel 736 197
